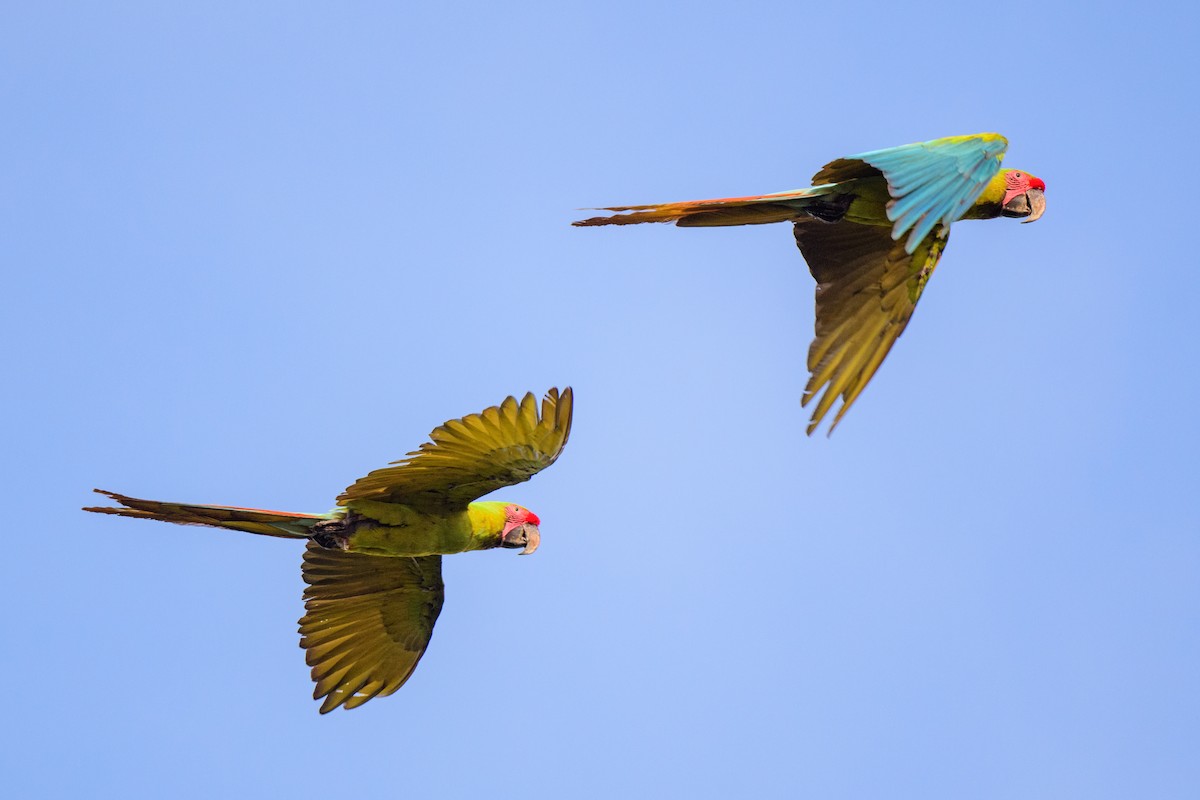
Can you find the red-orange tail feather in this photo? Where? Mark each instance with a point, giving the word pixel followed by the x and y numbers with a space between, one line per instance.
pixel 753 210
pixel 250 520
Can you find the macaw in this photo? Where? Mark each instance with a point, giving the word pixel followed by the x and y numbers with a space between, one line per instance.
pixel 374 565
pixel 872 228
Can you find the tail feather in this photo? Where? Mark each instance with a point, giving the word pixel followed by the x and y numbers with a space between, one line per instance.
pixel 754 210
pixel 251 520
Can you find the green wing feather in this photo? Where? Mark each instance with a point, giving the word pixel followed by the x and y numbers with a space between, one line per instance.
pixel 368 621
pixel 470 457
pixel 867 288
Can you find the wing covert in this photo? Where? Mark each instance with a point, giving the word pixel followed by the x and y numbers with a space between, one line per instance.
pixel 472 456
pixel 368 621
pixel 930 182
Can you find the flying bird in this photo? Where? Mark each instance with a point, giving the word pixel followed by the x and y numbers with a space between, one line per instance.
pixel 374 565
pixel 872 228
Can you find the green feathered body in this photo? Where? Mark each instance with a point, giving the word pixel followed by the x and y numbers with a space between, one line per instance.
pixel 391 529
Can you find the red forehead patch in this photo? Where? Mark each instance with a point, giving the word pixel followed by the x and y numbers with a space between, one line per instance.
pixel 519 515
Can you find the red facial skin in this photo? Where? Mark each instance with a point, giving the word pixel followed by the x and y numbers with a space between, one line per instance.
pixel 515 516
pixel 1017 182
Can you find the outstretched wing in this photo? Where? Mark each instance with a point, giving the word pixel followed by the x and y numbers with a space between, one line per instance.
pixel 469 457
pixel 930 182
pixel 368 621
pixel 867 288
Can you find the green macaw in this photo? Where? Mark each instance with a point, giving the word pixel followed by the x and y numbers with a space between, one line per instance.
pixel 374 565
pixel 872 228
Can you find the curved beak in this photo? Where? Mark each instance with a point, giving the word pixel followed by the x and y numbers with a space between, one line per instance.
pixel 527 536
pixel 1031 204
pixel 1037 204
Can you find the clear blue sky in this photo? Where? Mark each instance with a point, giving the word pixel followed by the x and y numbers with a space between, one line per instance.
pixel 253 251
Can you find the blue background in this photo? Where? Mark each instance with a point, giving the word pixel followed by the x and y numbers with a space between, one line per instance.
pixel 253 251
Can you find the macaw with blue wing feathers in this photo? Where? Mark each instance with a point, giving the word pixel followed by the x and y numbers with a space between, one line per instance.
pixel 872 228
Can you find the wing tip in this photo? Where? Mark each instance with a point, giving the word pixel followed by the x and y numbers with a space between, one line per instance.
pixel 564 414
pixel 554 420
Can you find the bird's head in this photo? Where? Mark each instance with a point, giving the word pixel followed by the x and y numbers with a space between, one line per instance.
pixel 520 529
pixel 1024 195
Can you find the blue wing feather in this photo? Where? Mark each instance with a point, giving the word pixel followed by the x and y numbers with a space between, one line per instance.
pixel 935 182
